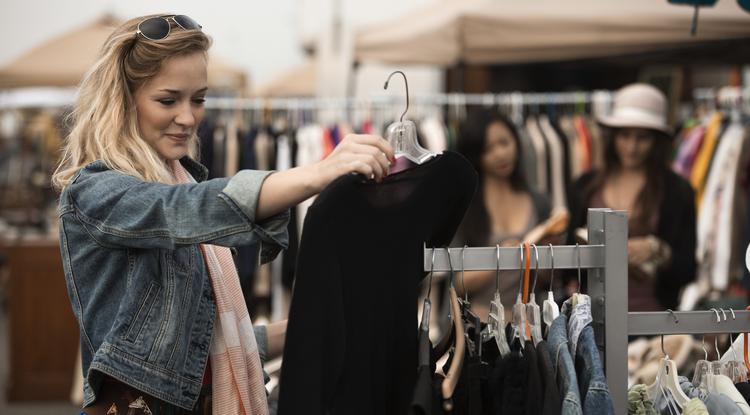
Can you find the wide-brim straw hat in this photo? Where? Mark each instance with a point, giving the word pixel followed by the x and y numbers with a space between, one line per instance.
pixel 638 106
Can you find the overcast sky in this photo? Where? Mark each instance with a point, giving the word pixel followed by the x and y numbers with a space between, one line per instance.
pixel 263 37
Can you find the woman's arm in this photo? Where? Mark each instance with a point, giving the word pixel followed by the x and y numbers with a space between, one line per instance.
pixel 365 154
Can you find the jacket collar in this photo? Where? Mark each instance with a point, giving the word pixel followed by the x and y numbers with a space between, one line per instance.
pixel 197 170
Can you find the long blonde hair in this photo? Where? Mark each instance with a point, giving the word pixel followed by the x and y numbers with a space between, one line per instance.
pixel 104 124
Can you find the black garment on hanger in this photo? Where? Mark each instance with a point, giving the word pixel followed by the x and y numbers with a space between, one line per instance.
pixel 552 403
pixel 350 344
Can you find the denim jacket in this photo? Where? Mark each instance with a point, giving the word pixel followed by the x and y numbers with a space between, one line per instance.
pixel 136 277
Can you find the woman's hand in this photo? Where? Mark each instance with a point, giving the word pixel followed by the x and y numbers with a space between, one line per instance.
pixel 370 155
pixel 367 154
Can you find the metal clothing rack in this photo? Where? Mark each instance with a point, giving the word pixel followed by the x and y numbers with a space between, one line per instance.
pixel 604 259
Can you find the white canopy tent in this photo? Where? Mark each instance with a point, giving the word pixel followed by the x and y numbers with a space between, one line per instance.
pixel 62 61
pixel 506 31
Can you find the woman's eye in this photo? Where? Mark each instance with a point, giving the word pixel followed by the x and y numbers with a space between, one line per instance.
pixel 166 101
pixel 200 100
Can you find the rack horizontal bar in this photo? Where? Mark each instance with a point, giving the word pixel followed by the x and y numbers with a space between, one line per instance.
pixel 687 322
pixel 485 258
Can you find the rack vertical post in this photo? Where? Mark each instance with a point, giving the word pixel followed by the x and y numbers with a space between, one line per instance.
pixel 610 312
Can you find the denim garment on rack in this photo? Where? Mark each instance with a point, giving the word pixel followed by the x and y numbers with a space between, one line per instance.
pixel 716 403
pixel 562 361
pixel 592 383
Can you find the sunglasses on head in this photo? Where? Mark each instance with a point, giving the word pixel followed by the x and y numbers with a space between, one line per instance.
pixel 158 28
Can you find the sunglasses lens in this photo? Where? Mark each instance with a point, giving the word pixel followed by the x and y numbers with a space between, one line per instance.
pixel 186 22
pixel 155 28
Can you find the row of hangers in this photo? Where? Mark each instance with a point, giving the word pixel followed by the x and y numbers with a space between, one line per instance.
pixel 667 384
pixel 466 333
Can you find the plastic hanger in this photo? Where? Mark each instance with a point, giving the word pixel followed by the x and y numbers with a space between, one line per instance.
pixel 533 316
pixel 496 320
pixel 666 384
pixel 702 368
pixel 550 309
pixel 578 289
pixel 472 323
pixel 402 135
pixel 518 323
pixel 745 357
pixel 424 326
pixel 734 369
pixel 448 385
pixel 715 364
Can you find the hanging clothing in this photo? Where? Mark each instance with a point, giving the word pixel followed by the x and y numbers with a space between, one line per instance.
pixel 715 220
pixel 540 152
pixel 716 403
pixel 528 157
pixel 584 143
pixel 557 166
pixel 639 402
pixel 723 385
pixel 688 150
pixel 567 380
pixel 232 146
pixel 552 403
pixel 350 344
pixel 703 158
pixel 592 384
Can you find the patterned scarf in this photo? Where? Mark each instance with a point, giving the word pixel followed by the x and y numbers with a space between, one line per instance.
pixel 238 386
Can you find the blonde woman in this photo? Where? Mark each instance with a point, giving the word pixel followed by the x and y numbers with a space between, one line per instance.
pixel 164 327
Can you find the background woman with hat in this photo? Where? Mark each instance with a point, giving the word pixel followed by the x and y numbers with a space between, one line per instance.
pixel 636 177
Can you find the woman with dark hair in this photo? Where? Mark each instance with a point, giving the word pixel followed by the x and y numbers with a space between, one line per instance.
pixel 660 205
pixel 504 207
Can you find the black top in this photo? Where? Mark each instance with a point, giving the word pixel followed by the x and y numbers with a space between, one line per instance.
pixel 350 344
pixel 552 399
pixel 676 227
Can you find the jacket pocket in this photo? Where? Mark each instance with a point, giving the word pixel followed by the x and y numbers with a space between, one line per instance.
pixel 182 258
pixel 143 313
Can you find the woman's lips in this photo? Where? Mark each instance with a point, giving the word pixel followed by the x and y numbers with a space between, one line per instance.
pixel 178 137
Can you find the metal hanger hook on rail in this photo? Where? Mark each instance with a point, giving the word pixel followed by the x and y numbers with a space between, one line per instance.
pixel 552 267
pixel 463 272
pixel 536 268
pixel 716 338
pixel 731 340
pixel 432 267
pixel 578 251
pixel 497 273
pixel 406 83
pixel 662 336
pixel 522 268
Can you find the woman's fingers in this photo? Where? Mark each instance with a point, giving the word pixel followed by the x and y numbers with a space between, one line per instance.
pixel 374 141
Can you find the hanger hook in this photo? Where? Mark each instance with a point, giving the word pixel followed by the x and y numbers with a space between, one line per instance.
pixel 463 273
pixel 673 316
pixel 716 338
pixel 552 266
pixel 662 348
pixel 432 268
pixel 578 250
pixel 497 273
pixel 520 281
pixel 406 83
pixel 731 340
pixel 703 346
pixel 450 265
pixel 536 268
